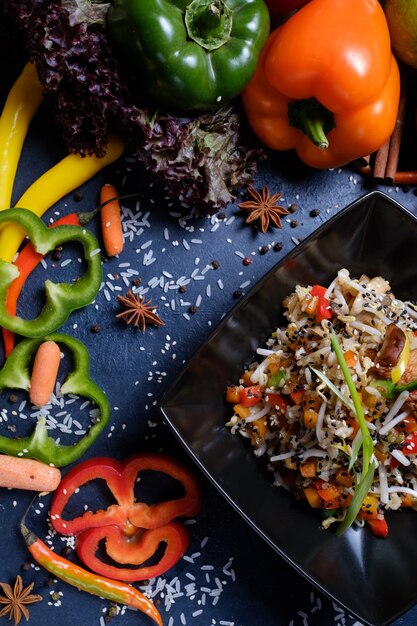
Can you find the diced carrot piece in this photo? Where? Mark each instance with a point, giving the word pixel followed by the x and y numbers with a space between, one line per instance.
pixel 312 497
pixel 409 424
pixel 246 378
pixel 260 426
pixel 370 506
pixel 344 477
pixel 310 418
pixel 380 455
pixel 327 491
pixel 241 411
pixel 407 500
pixel 351 358
pixel 309 469
pixel 232 394
pixel 297 396
pixel 341 502
pixel 309 304
pixel 352 422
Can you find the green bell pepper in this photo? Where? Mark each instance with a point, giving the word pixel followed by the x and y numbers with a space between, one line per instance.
pixel 39 445
pixel 190 55
pixel 61 299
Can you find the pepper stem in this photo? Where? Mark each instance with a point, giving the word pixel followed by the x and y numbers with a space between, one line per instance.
pixel 311 117
pixel 209 23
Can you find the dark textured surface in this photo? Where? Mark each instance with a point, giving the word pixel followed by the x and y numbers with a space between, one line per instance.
pixel 135 370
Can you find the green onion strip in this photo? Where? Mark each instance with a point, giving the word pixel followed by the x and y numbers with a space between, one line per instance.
pixel 367 443
pixel 364 441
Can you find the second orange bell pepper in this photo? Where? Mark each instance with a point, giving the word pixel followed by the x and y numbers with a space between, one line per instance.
pixel 327 83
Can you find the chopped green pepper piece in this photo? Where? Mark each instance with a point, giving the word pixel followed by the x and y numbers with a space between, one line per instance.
pixel 16 375
pixel 60 298
pixel 389 389
pixel 276 379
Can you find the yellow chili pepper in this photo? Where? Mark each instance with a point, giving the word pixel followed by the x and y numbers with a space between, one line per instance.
pixel 64 177
pixel 21 105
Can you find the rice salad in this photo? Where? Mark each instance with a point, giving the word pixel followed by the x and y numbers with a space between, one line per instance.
pixel 331 401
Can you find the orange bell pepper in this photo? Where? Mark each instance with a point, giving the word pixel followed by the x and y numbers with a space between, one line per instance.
pixel 327 83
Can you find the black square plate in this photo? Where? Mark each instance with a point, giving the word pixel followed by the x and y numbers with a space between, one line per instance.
pixel 375 579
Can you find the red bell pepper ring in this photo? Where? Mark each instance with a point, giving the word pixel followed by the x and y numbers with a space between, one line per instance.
pixel 133 550
pixel 133 530
pixel 323 310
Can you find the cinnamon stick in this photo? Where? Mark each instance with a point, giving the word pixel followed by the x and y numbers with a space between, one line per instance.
pixel 395 143
pixel 381 160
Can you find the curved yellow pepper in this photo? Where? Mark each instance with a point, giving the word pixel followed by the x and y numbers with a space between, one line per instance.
pixel 401 366
pixel 61 179
pixel 23 101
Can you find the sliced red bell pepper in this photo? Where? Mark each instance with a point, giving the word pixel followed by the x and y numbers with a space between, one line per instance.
pixel 323 310
pixel 132 530
pixel 249 396
pixel 278 400
pixel 409 445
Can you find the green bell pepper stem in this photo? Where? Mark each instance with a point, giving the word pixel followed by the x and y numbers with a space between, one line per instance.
pixel 39 445
pixel 209 23
pixel 61 299
pixel 190 55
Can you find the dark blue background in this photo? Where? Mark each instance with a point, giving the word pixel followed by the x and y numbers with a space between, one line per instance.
pixel 135 369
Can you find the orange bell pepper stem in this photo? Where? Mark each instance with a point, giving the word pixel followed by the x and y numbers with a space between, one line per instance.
pixel 358 91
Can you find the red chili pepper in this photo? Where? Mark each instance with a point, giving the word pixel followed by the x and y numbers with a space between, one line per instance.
pixel 249 396
pixel 379 527
pixel 76 576
pixel 133 530
pixel 323 310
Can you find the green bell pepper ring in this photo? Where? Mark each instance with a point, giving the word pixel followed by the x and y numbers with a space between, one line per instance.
pixel 61 298
pixel 190 55
pixel 39 445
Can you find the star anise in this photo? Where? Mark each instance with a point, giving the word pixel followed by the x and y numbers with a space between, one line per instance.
pixel 263 207
pixel 139 311
pixel 15 600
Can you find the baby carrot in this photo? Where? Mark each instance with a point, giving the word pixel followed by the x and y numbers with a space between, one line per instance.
pixel 17 473
pixel 44 372
pixel 111 224
pixel 77 576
